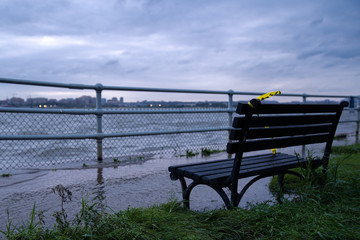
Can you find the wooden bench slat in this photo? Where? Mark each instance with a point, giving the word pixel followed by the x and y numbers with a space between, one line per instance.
pixel 207 172
pixel 200 176
pixel 254 133
pixel 209 164
pixel 229 162
pixel 274 169
pixel 173 168
pixel 289 108
pixel 255 145
pixel 197 172
pixel 219 179
pixel 291 120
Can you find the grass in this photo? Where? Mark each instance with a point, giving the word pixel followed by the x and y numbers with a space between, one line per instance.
pixel 330 211
pixel 204 152
pixel 208 152
pixel 189 154
pixel 350 149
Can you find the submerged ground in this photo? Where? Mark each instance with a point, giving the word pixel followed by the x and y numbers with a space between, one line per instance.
pixel 114 188
pixel 317 211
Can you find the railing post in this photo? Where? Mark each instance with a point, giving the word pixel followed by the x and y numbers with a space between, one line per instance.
pixel 230 105
pixel 230 114
pixel 303 150
pixel 352 103
pixel 358 121
pixel 304 98
pixel 99 88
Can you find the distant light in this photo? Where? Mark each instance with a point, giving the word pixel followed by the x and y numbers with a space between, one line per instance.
pixel 45 106
pixel 159 105
pixel 40 106
pixel 151 105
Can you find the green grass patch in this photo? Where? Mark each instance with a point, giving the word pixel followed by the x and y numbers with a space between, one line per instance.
pixel 208 151
pixel 189 154
pixel 349 149
pixel 330 211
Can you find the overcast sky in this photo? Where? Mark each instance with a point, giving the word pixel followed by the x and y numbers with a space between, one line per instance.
pixel 299 46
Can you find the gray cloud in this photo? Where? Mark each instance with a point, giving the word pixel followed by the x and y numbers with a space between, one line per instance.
pixel 316 22
pixel 241 45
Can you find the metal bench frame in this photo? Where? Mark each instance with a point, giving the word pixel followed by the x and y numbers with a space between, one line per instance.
pixel 266 126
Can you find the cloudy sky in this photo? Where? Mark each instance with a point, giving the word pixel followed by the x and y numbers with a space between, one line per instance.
pixel 296 46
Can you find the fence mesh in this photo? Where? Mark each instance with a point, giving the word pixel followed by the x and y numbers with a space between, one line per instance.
pixel 15 154
pixel 163 145
pixel 45 153
pixel 56 153
pixel 46 124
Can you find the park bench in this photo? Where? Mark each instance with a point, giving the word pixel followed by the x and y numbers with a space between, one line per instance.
pixel 265 126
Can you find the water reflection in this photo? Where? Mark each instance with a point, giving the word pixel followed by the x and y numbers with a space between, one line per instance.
pixel 99 192
pixel 137 183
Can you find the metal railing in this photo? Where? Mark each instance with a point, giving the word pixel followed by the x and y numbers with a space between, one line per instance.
pixel 149 125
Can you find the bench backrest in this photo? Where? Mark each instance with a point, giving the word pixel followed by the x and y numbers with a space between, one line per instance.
pixel 283 125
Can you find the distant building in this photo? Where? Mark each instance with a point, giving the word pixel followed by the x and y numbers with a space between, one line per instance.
pixel 66 102
pixel 36 101
pixel 84 101
pixel 113 102
pixel 15 101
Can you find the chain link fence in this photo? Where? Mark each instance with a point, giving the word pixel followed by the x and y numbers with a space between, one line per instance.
pixel 55 153
pixel 57 138
pixel 163 144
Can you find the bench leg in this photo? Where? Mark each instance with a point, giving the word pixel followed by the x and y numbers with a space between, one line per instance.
pixel 280 193
pixel 294 173
pixel 246 187
pixel 224 196
pixel 186 194
pixel 281 182
pixel 186 190
pixel 281 177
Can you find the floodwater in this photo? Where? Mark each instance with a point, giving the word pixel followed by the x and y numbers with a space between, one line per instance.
pixel 115 187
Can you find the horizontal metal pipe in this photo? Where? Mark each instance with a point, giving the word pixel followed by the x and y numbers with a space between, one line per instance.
pixel 106 135
pixel 141 89
pixel 112 135
pixel 46 84
pixel 349 121
pixel 48 110
pixel 214 92
pixel 105 111
pixel 115 111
